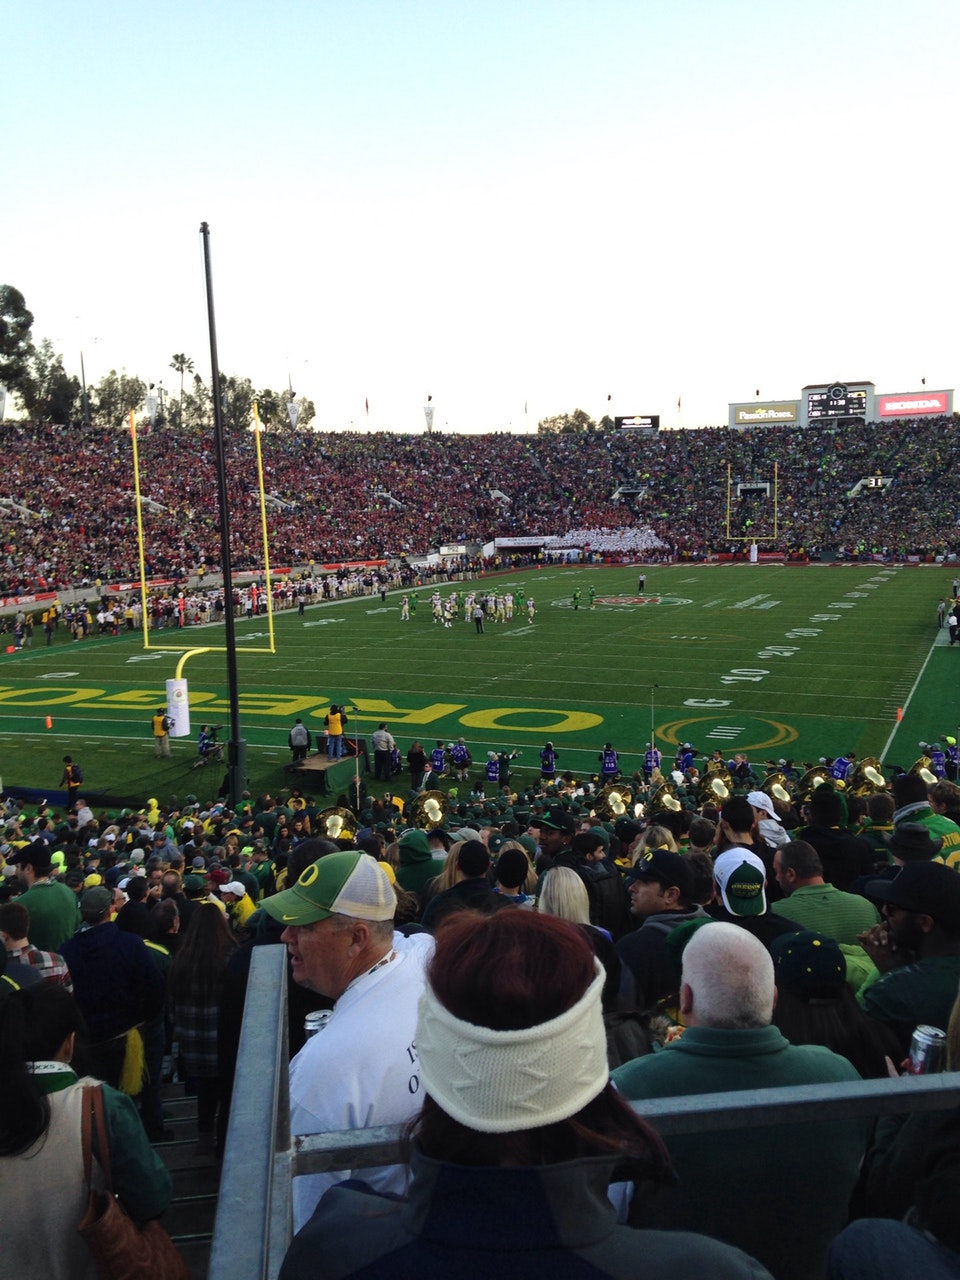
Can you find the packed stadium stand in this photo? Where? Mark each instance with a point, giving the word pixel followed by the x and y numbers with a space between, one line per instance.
pixel 69 513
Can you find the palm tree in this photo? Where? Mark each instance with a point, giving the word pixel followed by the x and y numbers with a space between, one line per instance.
pixel 181 364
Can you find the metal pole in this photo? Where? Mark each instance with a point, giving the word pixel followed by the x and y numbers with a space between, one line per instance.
pixel 356 765
pixel 85 399
pixel 236 747
pixel 653 732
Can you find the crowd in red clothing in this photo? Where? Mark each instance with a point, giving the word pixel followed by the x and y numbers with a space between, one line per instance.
pixel 70 510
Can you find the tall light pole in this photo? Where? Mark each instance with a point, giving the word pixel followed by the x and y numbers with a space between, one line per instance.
pixel 236 747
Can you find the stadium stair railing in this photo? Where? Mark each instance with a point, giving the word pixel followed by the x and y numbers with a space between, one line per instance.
pixel 254 1216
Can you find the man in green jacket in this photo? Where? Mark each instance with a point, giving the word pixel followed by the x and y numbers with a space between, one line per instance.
pixel 913 805
pixel 779 1192
pixel 54 914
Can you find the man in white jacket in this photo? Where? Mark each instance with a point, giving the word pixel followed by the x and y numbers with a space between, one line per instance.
pixel 360 1070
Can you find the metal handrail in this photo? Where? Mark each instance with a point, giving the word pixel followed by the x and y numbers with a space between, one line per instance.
pixel 254 1216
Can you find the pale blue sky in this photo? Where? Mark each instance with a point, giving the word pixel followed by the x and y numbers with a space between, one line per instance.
pixel 498 204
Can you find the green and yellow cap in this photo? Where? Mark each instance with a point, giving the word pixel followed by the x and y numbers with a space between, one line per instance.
pixel 340 884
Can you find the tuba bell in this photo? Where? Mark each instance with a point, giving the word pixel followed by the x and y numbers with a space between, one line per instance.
pixel 613 801
pixel 813 778
pixel 335 824
pixel 777 786
pixel 867 778
pixel 665 797
pixel 716 786
pixel 429 810
pixel 922 768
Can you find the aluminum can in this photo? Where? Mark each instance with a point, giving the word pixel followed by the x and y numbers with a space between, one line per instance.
pixel 315 1022
pixel 928 1051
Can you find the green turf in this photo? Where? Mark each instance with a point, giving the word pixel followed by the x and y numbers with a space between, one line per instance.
pixel 769 660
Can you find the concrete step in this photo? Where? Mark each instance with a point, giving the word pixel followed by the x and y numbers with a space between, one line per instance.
pixel 192 1215
pixel 196 1254
pixel 196 1180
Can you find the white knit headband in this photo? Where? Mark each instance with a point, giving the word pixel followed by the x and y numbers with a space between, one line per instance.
pixel 501 1081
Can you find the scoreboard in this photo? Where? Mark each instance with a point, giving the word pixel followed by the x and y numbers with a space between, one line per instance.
pixel 638 422
pixel 837 401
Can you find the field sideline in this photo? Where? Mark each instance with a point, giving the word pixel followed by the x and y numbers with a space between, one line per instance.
pixel 766 659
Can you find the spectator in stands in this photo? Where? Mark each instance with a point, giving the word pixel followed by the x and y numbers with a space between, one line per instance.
pixel 812 903
pixel 518 995
pixel 52 906
pixel 916 949
pixel 339 933
pixel 844 856
pixel 195 989
pixel 740 896
pixel 815 1004
pixel 787 1221
pixel 42 1184
pixel 661 889
pixel 472 889
pixel 117 985
pixel 134 915
pixel 913 805
pixel 14 934
pixel 418 863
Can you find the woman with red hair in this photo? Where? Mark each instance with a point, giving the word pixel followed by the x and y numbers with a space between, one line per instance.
pixel 519 1136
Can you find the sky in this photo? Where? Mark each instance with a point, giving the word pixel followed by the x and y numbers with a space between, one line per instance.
pixel 518 207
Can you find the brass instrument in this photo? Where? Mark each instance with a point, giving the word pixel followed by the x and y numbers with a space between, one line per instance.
pixel 778 787
pixel 867 778
pixel 716 786
pixel 613 801
pixel 429 810
pixel 665 797
pixel 814 778
pixel 922 768
pixel 335 824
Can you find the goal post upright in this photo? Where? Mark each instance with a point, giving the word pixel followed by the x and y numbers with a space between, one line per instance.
pixel 755 537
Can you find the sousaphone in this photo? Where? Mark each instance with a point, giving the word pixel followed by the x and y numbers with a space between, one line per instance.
pixel 335 824
pixel 867 778
pixel 778 786
pixel 665 797
pixel 429 810
pixel 613 801
pixel 922 768
pixel 716 786
pixel 814 778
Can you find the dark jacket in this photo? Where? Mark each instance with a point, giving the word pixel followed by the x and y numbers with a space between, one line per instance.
pixel 464 1222
pixel 645 954
pixel 475 894
pixel 844 856
pixel 115 980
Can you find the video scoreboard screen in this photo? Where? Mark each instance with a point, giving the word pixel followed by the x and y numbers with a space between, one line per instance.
pixel 837 401
pixel 638 422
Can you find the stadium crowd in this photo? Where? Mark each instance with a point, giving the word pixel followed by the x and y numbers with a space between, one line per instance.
pixel 69 507
pixel 785 930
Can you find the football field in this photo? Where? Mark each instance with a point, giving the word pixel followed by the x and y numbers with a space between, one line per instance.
pixel 768 660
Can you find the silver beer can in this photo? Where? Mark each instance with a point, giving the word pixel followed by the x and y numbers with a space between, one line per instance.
pixel 315 1022
pixel 928 1051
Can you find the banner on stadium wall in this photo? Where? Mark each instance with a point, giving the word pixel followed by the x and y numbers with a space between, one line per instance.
pixel 773 413
pixel 915 404
pixel 12 602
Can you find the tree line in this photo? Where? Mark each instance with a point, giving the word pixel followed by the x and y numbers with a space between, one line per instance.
pixel 33 373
